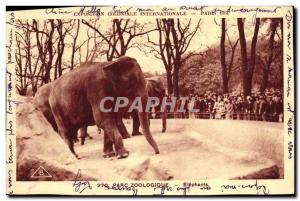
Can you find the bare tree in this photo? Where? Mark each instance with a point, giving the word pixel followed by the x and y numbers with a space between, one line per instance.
pixel 27 71
pixel 226 67
pixel 41 47
pixel 21 72
pixel 45 47
pixel 267 62
pixel 174 40
pixel 76 46
pixel 74 49
pixel 120 38
pixel 247 67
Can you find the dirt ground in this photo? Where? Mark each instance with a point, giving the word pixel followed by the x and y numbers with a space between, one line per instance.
pixel 191 149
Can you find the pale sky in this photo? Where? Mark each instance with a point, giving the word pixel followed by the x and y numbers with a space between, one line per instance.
pixel 208 35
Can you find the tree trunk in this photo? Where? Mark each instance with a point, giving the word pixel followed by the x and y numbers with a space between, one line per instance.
pixel 253 49
pixel 240 24
pixel 223 57
pixel 175 80
pixel 74 45
pixel 265 80
pixel 273 27
pixel 48 66
pixel 169 82
pixel 247 69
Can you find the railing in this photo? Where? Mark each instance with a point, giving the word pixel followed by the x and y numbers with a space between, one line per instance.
pixel 234 116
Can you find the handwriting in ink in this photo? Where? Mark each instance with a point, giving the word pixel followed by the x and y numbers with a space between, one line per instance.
pixel 79 185
pixel 290 126
pixel 162 189
pixel 290 150
pixel 10 178
pixel 10 40
pixel 10 159
pixel 289 18
pixel 89 11
pixel 289 108
pixel 259 188
pixel 56 11
pixel 122 187
pixel 289 80
pixel 184 189
pixel 9 128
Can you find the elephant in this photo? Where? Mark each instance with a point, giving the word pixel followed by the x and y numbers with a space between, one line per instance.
pixel 41 99
pixel 74 101
pixel 154 88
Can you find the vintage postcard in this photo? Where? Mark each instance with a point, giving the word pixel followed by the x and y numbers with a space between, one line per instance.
pixel 150 101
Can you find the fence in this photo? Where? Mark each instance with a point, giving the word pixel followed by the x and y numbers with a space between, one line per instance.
pixel 207 115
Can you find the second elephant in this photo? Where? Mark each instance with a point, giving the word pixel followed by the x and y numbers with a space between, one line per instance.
pixel 155 88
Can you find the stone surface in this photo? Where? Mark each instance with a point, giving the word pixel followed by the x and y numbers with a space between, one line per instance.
pixel 39 145
pixel 189 150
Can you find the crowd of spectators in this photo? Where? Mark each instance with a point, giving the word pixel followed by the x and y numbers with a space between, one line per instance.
pixel 266 106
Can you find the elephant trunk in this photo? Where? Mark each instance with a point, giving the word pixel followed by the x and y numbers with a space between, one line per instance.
pixel 164 121
pixel 143 117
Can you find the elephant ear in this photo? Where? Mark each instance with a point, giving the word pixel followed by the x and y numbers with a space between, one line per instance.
pixel 120 65
pixel 155 88
pixel 111 66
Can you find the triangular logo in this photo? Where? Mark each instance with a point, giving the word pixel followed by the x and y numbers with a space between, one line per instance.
pixel 41 173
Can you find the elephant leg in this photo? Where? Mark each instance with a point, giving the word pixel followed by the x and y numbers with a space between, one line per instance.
pixel 75 140
pixel 108 123
pixel 53 123
pixel 136 124
pixel 122 128
pixel 69 137
pixel 108 150
pixel 65 130
pixel 83 134
pixel 164 121
pixel 111 135
pixel 70 143
pixel 112 132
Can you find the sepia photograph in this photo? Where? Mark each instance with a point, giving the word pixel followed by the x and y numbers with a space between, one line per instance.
pixel 150 101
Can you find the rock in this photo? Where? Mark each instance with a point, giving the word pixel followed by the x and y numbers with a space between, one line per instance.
pixel 190 150
pixel 39 145
pixel 265 173
pixel 148 171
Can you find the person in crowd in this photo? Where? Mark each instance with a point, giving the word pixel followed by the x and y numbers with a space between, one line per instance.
pixel 248 106
pixel 280 109
pixel 273 105
pixel 219 108
pixel 263 108
pixel 197 106
pixel 186 107
pixel 210 107
pixel 256 108
pixel 229 109
pixel 190 107
pixel 177 113
pixel 203 107
pixel 239 107
pixel 270 108
pixel 168 107
pixel 260 106
pixel 202 104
